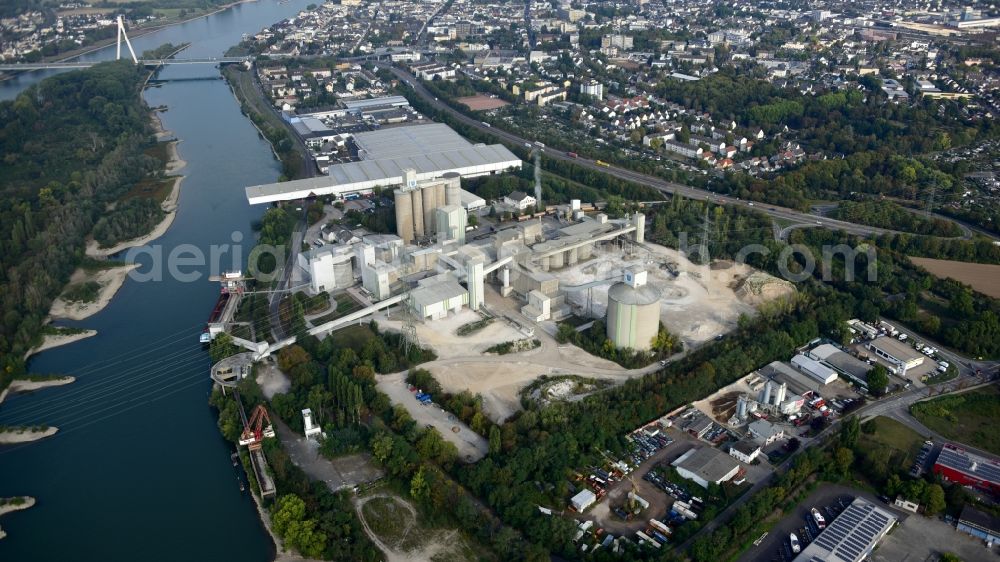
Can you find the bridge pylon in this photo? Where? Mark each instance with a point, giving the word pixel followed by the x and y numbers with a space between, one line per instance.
pixel 123 35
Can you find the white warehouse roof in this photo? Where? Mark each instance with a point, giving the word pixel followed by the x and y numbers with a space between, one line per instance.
pixel 814 369
pixel 430 150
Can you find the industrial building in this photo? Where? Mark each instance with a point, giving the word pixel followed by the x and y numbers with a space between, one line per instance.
pixel 583 500
pixel 980 525
pixel 745 450
pixel 797 381
pixel 765 432
pixel 852 536
pixel 329 267
pixel 431 151
pixel 955 464
pixel 824 374
pixel 706 464
pixel 899 355
pixel 436 296
pixel 851 367
pixel 633 311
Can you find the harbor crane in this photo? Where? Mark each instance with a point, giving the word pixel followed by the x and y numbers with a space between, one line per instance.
pixel 258 428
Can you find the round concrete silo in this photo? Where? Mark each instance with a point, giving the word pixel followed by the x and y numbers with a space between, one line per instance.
pixel 633 315
pixel 453 188
pixel 418 213
pixel 429 196
pixel 404 215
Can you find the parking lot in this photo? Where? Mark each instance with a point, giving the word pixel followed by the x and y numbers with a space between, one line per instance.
pixel 830 499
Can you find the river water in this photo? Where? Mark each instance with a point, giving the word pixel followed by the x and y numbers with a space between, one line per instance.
pixel 138 470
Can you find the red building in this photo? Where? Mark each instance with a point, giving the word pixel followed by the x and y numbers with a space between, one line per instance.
pixel 955 464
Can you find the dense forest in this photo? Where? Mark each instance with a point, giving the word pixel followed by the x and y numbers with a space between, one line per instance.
pixel 71 145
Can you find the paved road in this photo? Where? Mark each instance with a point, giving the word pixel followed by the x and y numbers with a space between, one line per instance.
pixel 643 179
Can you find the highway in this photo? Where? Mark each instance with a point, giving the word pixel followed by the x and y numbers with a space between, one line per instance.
pixel 639 178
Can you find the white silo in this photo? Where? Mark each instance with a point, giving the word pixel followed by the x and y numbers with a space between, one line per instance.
pixel 780 396
pixel 766 397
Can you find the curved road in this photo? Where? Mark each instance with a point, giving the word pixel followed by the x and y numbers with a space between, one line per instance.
pixel 639 178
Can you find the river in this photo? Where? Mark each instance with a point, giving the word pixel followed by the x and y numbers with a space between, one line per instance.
pixel 138 469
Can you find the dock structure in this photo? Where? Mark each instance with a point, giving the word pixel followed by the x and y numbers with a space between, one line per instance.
pixel 254 431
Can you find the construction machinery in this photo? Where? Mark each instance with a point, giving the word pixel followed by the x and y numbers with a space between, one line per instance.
pixel 256 429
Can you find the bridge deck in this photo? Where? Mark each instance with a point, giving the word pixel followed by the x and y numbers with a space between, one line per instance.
pixel 143 62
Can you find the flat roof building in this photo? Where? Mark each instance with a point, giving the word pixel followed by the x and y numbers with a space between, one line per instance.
pixel 980 525
pixel 852 536
pixel 431 150
pixel 955 464
pixel 706 464
pixel 824 374
pixel 851 367
pixel 896 353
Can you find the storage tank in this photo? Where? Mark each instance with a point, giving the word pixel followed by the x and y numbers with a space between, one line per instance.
pixel 453 188
pixel 780 397
pixel 418 213
pixel 633 311
pixel 404 215
pixel 429 195
pixel 741 407
pixel 766 399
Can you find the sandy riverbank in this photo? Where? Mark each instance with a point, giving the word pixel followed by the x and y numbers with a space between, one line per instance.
pixel 9 507
pixel 26 385
pixel 110 280
pixel 55 340
pixel 14 435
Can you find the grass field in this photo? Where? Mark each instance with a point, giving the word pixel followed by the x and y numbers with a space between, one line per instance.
pixel 345 305
pixel 891 434
pixel 388 519
pixel 969 418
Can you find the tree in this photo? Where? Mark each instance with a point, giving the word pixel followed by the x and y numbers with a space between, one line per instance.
pixel 418 485
pixel 222 346
pixel 878 380
pixel 849 432
pixel 934 501
pixel 382 447
pixel 843 458
pixel 287 509
pixel 494 440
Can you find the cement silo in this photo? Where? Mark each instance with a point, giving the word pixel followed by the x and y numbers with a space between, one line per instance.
pixel 419 223
pixel 453 188
pixel 765 398
pixel 404 215
pixel 633 311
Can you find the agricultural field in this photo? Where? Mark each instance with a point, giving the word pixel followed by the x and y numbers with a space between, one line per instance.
pixel 969 418
pixel 980 276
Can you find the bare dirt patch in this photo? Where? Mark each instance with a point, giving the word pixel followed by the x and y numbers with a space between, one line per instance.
pixel 697 302
pixel 982 277
pixel 481 102
pixel 393 525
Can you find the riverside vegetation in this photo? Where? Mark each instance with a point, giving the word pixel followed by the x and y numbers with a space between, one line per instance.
pixel 73 146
